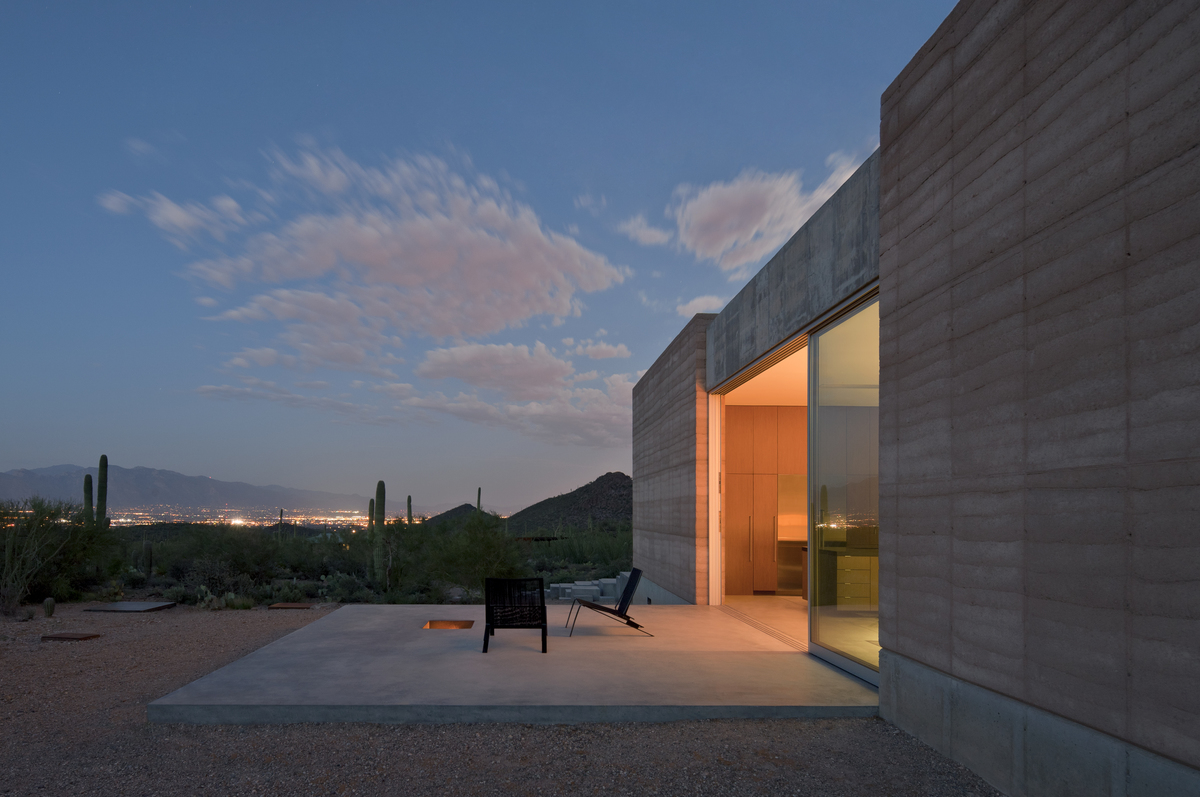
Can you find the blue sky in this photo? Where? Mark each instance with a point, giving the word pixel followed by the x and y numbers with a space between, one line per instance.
pixel 322 244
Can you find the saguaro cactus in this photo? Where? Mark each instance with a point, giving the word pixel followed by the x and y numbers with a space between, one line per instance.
pixel 102 494
pixel 478 499
pixel 371 539
pixel 148 557
pixel 410 521
pixel 380 572
pixel 379 499
pixel 89 516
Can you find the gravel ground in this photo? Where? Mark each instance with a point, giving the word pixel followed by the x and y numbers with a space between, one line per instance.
pixel 74 722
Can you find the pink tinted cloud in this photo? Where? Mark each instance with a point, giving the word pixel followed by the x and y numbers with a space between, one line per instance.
pixel 518 372
pixel 736 224
pixel 412 247
pixel 637 229
pixel 701 304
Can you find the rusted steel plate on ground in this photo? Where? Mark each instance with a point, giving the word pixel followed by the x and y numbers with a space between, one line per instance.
pixel 291 605
pixel 68 636
pixel 451 624
pixel 132 606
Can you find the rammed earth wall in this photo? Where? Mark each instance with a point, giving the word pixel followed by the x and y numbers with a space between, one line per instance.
pixel 670 467
pixel 1040 395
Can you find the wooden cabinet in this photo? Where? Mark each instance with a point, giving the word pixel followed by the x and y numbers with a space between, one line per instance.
pixel 757 442
pixel 738 509
pixel 764 534
pixel 793 440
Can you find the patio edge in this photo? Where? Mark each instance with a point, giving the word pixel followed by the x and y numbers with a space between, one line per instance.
pixel 441 714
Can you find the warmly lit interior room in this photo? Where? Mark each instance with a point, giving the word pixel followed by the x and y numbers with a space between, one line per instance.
pixel 800 489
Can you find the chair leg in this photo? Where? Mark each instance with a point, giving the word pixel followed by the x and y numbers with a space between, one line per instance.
pixel 569 608
pixel 543 637
pixel 577 613
pixel 487 632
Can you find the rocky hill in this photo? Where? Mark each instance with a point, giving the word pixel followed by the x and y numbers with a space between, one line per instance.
pixel 453 516
pixel 607 500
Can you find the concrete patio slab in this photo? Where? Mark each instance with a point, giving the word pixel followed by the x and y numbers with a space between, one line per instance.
pixel 378 664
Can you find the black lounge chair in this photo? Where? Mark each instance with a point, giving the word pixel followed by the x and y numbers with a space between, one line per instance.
pixel 620 613
pixel 514 603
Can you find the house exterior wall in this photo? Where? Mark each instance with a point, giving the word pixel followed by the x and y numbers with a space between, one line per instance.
pixel 670 467
pixel 832 257
pixel 1040 395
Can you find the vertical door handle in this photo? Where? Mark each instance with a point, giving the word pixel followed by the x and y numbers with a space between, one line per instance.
pixel 775 550
pixel 750 524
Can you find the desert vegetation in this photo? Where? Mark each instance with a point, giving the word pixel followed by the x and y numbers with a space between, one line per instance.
pixel 64 551
pixel 50 551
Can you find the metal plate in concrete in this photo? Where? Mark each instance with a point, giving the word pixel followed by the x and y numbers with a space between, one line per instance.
pixel 371 663
pixel 68 636
pixel 450 625
pixel 132 606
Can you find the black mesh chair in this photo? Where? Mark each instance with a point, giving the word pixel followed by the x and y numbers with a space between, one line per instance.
pixel 514 603
pixel 620 613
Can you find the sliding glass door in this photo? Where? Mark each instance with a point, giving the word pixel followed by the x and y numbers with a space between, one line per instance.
pixel 844 486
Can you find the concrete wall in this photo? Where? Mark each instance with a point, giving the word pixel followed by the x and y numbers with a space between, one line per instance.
pixel 1040 385
pixel 670 467
pixel 833 256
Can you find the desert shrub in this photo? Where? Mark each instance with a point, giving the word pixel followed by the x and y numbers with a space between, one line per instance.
pixel 179 594
pixel 583 555
pixel 37 534
pixel 286 592
pixel 212 574
pixel 134 578
pixel 481 549
pixel 49 551
pixel 346 588
pixel 233 601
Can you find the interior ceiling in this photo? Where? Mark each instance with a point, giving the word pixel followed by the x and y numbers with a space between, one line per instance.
pixel 784 384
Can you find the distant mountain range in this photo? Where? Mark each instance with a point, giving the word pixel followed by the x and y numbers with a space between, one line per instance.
pixel 139 487
pixel 609 497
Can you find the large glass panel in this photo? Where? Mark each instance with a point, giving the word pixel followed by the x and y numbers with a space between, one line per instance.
pixel 844 497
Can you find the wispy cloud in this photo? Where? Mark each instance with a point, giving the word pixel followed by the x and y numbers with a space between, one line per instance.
pixel 181 223
pixel 592 204
pixel 599 350
pixel 530 391
pixel 701 304
pixel 517 372
pixel 141 148
pixel 260 390
pixel 736 224
pixel 578 416
pixel 637 229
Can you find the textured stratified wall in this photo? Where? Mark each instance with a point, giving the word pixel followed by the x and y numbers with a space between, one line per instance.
pixel 670 467
pixel 832 257
pixel 1040 354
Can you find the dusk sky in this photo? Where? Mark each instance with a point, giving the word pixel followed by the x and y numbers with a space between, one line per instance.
pixel 319 245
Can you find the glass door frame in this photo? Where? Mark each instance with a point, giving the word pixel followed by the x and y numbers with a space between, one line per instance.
pixel 831 319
